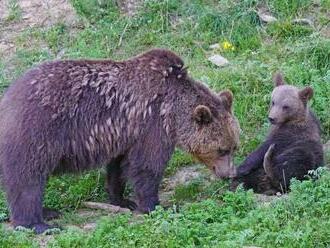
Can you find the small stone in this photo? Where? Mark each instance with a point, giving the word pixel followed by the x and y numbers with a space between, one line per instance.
pixel 89 226
pixel 267 18
pixel 215 46
pixel 303 21
pixel 326 147
pixel 218 60
pixel 4 47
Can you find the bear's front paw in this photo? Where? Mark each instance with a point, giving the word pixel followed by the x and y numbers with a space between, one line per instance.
pixel 40 228
pixel 45 228
pixel 148 205
pixel 233 172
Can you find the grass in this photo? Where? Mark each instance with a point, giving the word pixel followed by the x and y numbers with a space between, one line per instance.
pixel 204 213
pixel 232 219
pixel 14 11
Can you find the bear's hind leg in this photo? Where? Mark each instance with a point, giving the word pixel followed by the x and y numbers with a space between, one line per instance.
pixel 25 202
pixel 293 163
pixel 115 184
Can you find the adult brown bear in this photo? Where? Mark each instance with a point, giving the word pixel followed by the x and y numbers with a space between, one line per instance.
pixel 71 116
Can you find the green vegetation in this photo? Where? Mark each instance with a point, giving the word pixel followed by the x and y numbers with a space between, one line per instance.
pixel 204 213
pixel 14 11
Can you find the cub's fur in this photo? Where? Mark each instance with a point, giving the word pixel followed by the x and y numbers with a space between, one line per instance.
pixel 292 148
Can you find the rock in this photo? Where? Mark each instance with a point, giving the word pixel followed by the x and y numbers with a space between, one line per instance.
pixel 303 21
pixel 6 46
pixel 266 200
pixel 326 146
pixel 218 60
pixel 215 46
pixel 325 31
pixel 326 149
pixel 265 17
pixel 87 213
pixel 89 226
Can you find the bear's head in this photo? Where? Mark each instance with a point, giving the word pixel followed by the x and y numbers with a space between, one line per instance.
pixel 288 103
pixel 211 134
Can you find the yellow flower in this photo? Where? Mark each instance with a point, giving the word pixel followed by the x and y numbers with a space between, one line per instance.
pixel 227 46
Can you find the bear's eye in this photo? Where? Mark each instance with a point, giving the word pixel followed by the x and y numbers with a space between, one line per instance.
pixel 285 107
pixel 223 152
pixel 273 103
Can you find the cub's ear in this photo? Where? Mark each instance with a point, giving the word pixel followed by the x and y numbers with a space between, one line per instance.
pixel 306 94
pixel 278 79
pixel 226 97
pixel 202 115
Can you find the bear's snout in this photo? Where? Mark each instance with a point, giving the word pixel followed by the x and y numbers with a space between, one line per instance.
pixel 272 120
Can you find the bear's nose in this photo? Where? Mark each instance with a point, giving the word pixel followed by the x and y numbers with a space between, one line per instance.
pixel 272 120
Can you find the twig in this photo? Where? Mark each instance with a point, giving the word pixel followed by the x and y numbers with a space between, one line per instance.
pixel 122 35
pixel 105 206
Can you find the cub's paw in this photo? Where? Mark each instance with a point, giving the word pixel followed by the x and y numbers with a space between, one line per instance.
pixel 270 150
pixel 125 203
pixel 268 163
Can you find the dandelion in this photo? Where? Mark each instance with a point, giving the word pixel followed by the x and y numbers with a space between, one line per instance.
pixel 227 46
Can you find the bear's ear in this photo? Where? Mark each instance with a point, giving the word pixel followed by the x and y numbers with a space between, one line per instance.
pixel 202 115
pixel 278 79
pixel 176 70
pixel 226 97
pixel 306 94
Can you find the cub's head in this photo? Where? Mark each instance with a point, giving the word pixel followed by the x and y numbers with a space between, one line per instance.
pixel 288 103
pixel 212 132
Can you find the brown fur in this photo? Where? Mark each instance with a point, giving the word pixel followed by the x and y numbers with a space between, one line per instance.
pixel 71 116
pixel 293 146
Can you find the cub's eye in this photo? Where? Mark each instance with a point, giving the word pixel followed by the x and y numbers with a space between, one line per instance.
pixel 273 103
pixel 223 152
pixel 285 107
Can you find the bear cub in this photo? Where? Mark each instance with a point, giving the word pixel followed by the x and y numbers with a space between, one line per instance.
pixel 292 148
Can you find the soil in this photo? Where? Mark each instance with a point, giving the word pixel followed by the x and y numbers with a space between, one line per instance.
pixel 18 16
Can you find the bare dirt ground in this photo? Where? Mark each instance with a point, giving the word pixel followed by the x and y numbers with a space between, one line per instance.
pixel 17 16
